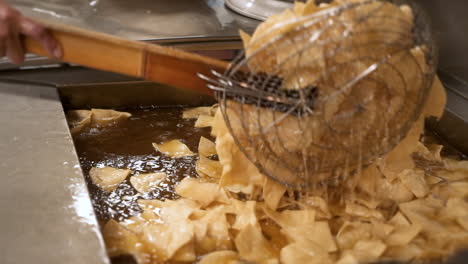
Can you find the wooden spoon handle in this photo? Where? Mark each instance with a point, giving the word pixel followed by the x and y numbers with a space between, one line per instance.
pixel 134 58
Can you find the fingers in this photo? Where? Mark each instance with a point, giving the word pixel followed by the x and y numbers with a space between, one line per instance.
pixel 10 43
pixel 38 32
pixel 14 47
pixel 4 32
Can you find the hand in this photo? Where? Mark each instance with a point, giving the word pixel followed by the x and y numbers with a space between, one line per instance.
pixel 12 25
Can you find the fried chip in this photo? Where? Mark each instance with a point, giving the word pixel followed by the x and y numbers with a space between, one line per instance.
pixel 218 257
pixel 456 209
pixel 212 231
pixel 174 148
pixel 245 37
pixel 414 181
pixel 399 220
pixel 393 191
pixel 381 230
pixel 421 213
pixel 403 235
pixel 252 245
pixel 108 178
pixel 78 120
pixel 292 218
pixel 357 210
pixel 119 240
pixel 146 182
pixel 320 206
pixel 105 117
pixel 185 253
pixel 206 147
pixel 347 258
pixel 272 193
pixel 238 173
pixel 351 232
pixel 207 167
pixel 205 193
pixel 311 234
pixel 204 121
pixel 245 214
pixel 171 228
pixel 462 221
pixel 168 237
pixel 367 251
pixel 196 112
pixel 170 210
pixel 295 253
pixel 404 253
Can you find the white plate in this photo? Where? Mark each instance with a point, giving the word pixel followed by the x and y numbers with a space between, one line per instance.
pixel 258 9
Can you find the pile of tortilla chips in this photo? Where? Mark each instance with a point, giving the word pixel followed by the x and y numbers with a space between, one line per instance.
pixel 232 213
pixel 394 209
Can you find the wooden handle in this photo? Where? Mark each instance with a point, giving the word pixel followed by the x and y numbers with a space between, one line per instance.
pixel 148 61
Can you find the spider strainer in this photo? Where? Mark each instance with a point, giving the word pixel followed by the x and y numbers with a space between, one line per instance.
pixel 320 93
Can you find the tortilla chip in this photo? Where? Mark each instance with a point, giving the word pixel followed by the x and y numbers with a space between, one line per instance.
pixel 78 120
pixel 399 158
pixel 393 191
pixel 295 253
pixel 399 220
pixel 173 148
pixel 351 232
pixel 458 189
pixel 218 257
pixel 405 253
pixel 108 178
pixel 381 230
pixel 291 218
pixel 367 251
pixel 414 181
pixel 168 237
pixel 455 165
pixel 204 121
pixel 238 173
pixel 205 193
pixel 169 210
pixel 245 214
pixel 421 213
pixel 119 240
pixel 245 38
pixel 354 209
pixel 456 208
pixel 462 221
pixel 272 193
pixel 147 182
pixel 210 168
pixel 437 99
pixel 206 147
pixel 105 117
pixel 170 228
pixel 311 234
pixel 212 231
pixel 403 235
pixel 299 8
pixel 196 112
pixel 347 258
pixel 252 245
pixel 320 206
pixel 185 253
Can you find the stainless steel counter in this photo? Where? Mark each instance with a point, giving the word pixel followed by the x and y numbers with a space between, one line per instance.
pixel 46 214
